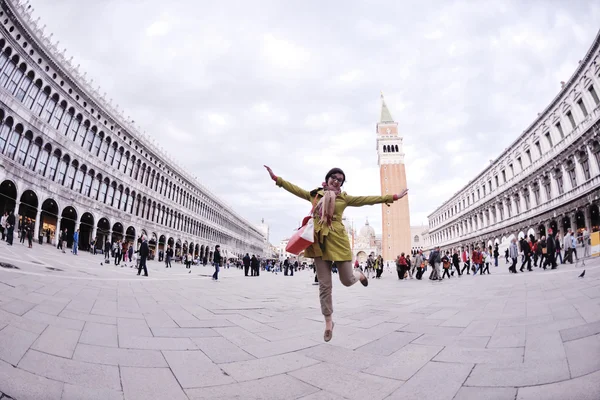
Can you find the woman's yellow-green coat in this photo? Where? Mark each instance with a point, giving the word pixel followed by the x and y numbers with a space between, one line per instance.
pixel 331 243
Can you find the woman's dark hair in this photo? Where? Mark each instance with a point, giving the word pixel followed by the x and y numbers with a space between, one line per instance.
pixel 335 171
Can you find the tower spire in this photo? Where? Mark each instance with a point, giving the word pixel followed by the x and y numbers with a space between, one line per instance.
pixel 386 116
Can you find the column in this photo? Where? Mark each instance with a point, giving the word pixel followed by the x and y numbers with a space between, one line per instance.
pixel 573 217
pixel 532 202
pixel 588 218
pixel 94 232
pixel 594 169
pixel 566 179
pixel 505 208
pixel 553 185
pixel 38 224
pixel 57 231
pixel 578 170
pixel 523 205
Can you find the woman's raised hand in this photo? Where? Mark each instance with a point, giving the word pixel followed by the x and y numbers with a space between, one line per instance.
pixel 401 194
pixel 273 176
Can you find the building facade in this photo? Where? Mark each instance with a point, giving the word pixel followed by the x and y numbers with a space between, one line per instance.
pixel 395 230
pixel 366 243
pixel 549 177
pixel 71 160
pixel 418 238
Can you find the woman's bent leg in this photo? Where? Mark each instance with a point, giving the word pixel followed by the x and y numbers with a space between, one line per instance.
pixel 324 276
pixel 348 276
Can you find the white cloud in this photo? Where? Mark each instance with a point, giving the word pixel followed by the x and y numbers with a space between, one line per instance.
pixel 230 87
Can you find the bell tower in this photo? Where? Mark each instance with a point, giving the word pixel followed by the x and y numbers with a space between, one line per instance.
pixel 395 237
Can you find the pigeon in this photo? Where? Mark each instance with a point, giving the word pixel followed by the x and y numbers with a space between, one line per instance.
pixel 101 264
pixel 582 274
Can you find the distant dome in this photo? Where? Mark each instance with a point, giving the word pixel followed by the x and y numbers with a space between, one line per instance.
pixel 367 231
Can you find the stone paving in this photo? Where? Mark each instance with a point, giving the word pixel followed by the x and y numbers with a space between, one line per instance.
pixel 82 330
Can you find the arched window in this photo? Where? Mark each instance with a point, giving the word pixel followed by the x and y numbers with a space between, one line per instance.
pixel 24 86
pixel 49 107
pixel 124 162
pixel 129 208
pixel 43 160
pixel 4 132
pixel 7 71
pixel 118 157
pixel 62 170
pixel 34 151
pixel 4 57
pixel 16 78
pixel 81 131
pixel 74 127
pixel 95 187
pixel 89 139
pixel 14 141
pixel 396 147
pixel 123 204
pixel 34 90
pixel 57 115
pixel 130 166
pixel 104 148
pixel 97 143
pixel 66 121
pixel 110 194
pixel 118 194
pixel 416 239
pixel 103 189
pixel 77 186
pixel 51 170
pixel 70 175
pixel 87 183
pixel 111 154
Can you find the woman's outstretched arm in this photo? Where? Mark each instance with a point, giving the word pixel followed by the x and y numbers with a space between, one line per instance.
pixel 290 187
pixel 359 201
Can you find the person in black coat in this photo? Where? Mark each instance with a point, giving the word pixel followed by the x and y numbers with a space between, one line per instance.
pixel 246 264
pixel 144 251
pixel 217 261
pixel 550 258
pixel 10 228
pixel 255 265
pixel 526 255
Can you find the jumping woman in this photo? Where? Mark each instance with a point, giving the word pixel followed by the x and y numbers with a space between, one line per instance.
pixel 331 241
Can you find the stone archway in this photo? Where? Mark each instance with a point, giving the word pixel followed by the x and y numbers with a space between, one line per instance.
pixel 49 219
pixel 8 197
pixel 86 226
pixel 554 227
pixel 102 232
pixel 117 232
pixel 196 251
pixel 130 235
pixel 541 230
pixel 565 224
pixel 28 205
pixel 177 251
pixel 531 232
pixel 67 221
pixel 594 218
pixel 152 245
pixel 579 220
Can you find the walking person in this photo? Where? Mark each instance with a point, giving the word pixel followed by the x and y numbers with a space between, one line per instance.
pixel 107 251
pixel 585 236
pixel 551 244
pixel 64 240
pixel 513 253
pixel 331 241
pixel 29 232
pixel 143 251
pixel 246 261
pixel 466 262
pixel 75 241
pixel 3 225
pixel 168 256
pixel 217 261
pixel 496 254
pixel 117 252
pixel 446 266
pixel 526 255
pixel 401 266
pixel 456 262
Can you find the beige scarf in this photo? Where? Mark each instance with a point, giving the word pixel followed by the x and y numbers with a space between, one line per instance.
pixel 326 206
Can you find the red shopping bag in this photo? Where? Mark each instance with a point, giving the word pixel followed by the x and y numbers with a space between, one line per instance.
pixel 304 237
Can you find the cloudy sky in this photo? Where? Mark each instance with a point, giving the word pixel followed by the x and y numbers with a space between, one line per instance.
pixel 228 86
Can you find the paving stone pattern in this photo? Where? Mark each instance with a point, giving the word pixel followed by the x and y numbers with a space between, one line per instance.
pixel 82 330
